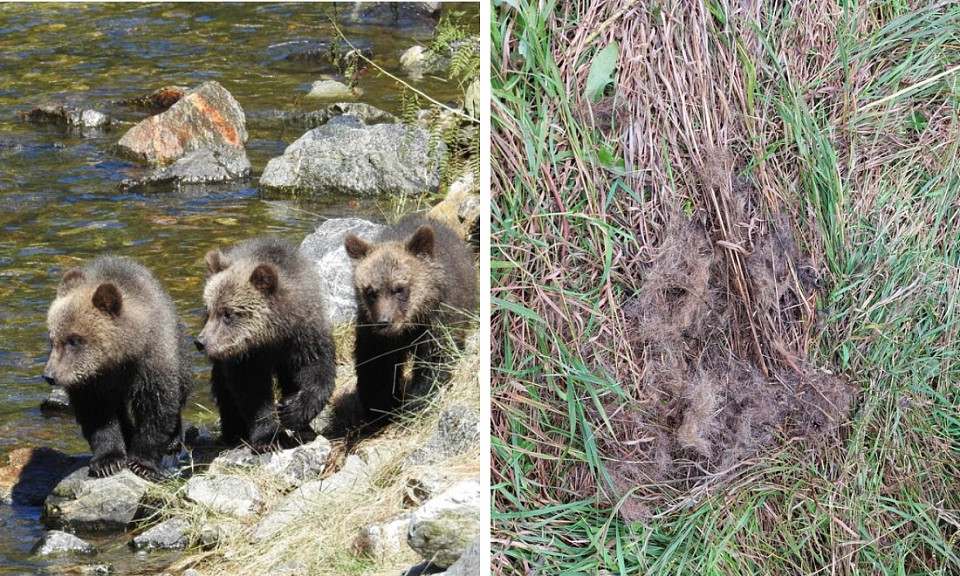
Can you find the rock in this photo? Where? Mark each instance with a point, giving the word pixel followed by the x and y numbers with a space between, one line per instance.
pixel 457 432
pixel 352 479
pixel 441 529
pixel 82 122
pixel 170 534
pixel 57 542
pixel 345 156
pixel 424 485
pixel 331 89
pixel 57 402
pixel 207 116
pixel 32 474
pixel 211 535
pixel 469 562
pixel 208 165
pixel 158 100
pixel 290 468
pixel 399 14
pixel 367 114
pixel 87 504
pixel 461 208
pixel 323 56
pixel 229 495
pixel 418 61
pixel 325 248
pixel 382 538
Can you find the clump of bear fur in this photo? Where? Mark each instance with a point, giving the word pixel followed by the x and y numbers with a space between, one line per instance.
pixel 416 278
pixel 116 347
pixel 265 320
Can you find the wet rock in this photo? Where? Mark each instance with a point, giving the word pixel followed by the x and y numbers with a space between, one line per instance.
pixel 82 122
pixel 457 432
pixel 170 534
pixel 469 563
pixel 399 14
pixel 158 100
pixel 417 61
pixel 56 403
pixel 229 495
pixel 323 56
pixel 290 468
pixel 207 116
pixel 32 474
pixel 367 114
pixel 87 504
pixel 325 248
pixel 208 165
pixel 352 479
pixel 382 538
pixel 460 209
pixel 331 89
pixel 57 542
pixel 345 156
pixel 442 529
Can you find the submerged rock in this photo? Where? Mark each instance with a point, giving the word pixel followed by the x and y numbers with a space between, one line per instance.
pixel 207 116
pixel 345 156
pixel 208 165
pixel 58 542
pixel 325 248
pixel 368 114
pixel 83 122
pixel 442 529
pixel 331 89
pixel 158 100
pixel 87 504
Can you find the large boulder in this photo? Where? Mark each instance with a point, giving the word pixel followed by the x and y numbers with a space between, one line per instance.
pixel 207 116
pixel 442 529
pixel 82 503
pixel 346 156
pixel 325 248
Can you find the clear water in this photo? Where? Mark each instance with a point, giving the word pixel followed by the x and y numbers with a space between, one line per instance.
pixel 59 203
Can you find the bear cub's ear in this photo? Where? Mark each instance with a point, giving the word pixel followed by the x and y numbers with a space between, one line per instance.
pixel 356 248
pixel 216 262
pixel 421 242
pixel 107 299
pixel 264 278
pixel 71 278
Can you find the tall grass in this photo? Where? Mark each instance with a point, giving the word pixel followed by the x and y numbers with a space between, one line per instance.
pixel 845 117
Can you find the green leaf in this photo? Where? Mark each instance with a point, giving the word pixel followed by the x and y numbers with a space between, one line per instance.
pixel 601 71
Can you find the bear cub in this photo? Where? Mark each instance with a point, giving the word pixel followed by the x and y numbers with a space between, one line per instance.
pixel 116 347
pixel 416 277
pixel 265 320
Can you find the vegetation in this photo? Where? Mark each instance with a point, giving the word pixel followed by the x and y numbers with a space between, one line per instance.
pixel 840 120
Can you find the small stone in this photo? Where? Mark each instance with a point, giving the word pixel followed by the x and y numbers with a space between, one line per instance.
pixel 57 542
pixel 168 535
pixel 56 403
pixel 331 89
pixel 382 538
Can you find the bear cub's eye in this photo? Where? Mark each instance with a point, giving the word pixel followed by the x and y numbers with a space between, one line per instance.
pixel 74 341
pixel 399 291
pixel 228 317
pixel 369 293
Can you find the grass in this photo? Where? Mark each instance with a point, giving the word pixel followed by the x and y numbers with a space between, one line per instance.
pixel 845 119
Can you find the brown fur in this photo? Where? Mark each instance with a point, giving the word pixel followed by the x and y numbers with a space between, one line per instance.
pixel 116 347
pixel 417 277
pixel 265 320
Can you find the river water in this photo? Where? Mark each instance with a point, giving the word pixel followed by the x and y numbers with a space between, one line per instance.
pixel 59 201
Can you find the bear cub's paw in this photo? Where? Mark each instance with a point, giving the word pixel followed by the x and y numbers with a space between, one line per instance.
pixel 107 464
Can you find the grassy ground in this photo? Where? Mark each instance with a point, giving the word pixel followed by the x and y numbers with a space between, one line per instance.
pixel 844 121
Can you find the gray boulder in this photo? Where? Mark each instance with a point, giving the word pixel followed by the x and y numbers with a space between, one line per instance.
pixel 351 480
pixel 228 495
pixel 442 529
pixel 82 122
pixel 205 117
pixel 469 563
pixel 170 534
pixel 382 538
pixel 368 114
pixel 290 468
pixel 57 542
pixel 87 504
pixel 457 432
pixel 347 157
pixel 208 165
pixel 325 248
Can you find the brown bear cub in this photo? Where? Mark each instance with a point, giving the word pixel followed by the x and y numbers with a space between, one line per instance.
pixel 265 319
pixel 116 347
pixel 416 277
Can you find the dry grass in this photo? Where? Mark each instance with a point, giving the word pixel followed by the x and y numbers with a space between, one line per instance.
pixel 680 333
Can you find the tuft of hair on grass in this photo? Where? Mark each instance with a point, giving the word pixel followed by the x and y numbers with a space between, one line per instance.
pixel 725 323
